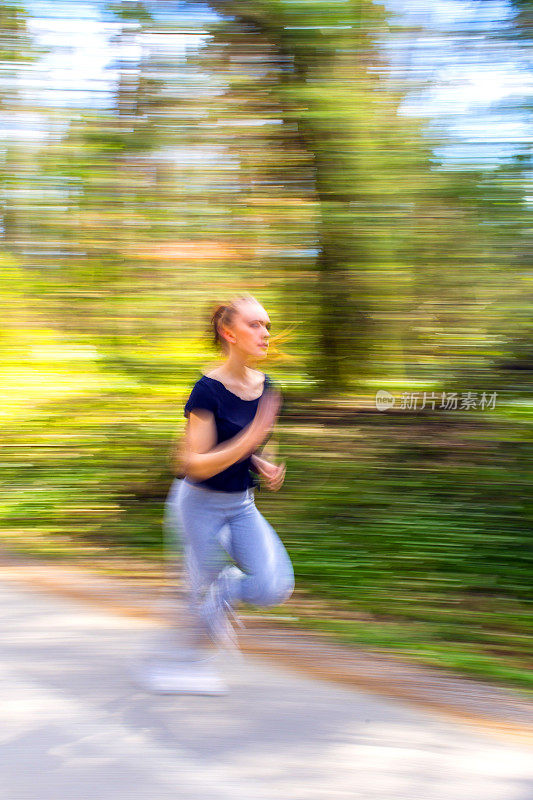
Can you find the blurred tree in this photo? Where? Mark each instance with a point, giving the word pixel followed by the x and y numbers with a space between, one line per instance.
pixel 344 149
pixel 504 199
pixel 400 275
pixel 103 160
pixel 278 158
pixel 17 50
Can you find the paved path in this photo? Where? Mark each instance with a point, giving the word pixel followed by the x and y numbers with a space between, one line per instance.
pixel 73 726
pixel 500 710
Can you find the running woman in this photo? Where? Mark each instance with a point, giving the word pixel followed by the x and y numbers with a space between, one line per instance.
pixel 230 413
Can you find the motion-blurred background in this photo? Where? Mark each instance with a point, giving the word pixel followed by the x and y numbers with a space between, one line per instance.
pixel 365 171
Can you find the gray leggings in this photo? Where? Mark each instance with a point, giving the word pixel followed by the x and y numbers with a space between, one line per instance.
pixel 213 524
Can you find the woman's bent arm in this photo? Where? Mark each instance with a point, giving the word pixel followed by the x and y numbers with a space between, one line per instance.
pixel 202 459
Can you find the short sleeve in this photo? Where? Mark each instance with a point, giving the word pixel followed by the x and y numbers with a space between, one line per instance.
pixel 200 397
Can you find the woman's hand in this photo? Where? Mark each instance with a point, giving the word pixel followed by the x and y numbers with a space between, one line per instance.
pixel 265 417
pixel 273 474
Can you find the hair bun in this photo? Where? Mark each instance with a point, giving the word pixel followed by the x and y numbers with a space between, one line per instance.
pixel 223 313
pixel 216 316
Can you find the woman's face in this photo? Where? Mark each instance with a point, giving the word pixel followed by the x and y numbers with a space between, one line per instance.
pixel 249 330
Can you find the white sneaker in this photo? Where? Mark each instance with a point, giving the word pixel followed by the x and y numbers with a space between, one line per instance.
pixel 218 614
pixel 215 615
pixel 189 677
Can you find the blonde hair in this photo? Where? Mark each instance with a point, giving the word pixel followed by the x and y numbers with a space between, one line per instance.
pixel 222 314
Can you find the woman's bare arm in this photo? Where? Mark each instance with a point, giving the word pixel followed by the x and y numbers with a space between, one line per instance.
pixel 269 451
pixel 202 459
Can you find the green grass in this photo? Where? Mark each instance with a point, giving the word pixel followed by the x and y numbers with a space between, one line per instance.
pixel 423 645
pixel 414 533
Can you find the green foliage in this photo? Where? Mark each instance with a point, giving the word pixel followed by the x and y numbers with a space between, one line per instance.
pixel 274 159
pixel 130 11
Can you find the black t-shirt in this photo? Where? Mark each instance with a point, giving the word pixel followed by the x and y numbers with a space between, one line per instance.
pixel 231 414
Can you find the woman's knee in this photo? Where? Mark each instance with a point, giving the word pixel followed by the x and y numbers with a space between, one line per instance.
pixel 286 589
pixel 274 590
